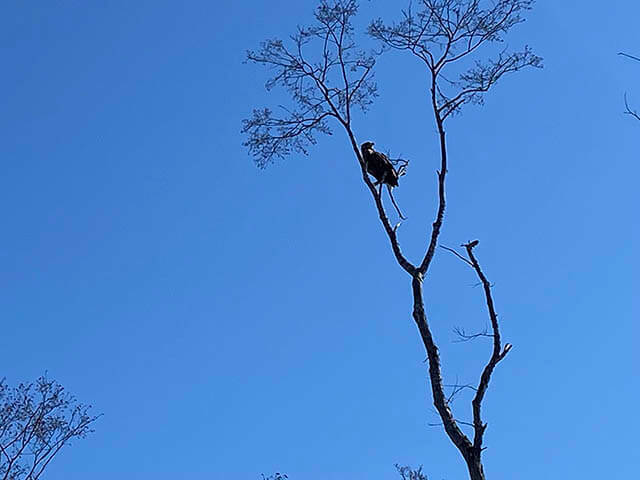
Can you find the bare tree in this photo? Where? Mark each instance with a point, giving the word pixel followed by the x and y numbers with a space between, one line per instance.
pixel 328 77
pixel 36 421
pixel 627 109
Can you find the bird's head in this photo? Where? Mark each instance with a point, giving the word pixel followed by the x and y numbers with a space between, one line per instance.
pixel 367 146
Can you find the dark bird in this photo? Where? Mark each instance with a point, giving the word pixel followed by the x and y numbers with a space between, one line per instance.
pixel 381 168
pixel 379 165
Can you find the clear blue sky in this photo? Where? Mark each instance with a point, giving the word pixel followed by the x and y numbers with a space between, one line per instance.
pixel 230 321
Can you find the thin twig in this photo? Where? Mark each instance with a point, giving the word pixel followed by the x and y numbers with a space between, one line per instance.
pixel 629 56
pixel 628 110
pixel 457 255
pixel 393 201
pixel 465 338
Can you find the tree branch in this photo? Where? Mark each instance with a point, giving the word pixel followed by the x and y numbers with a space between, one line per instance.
pixel 628 109
pixel 464 337
pixel 497 354
pixel 629 56
pixel 457 255
pixel 459 439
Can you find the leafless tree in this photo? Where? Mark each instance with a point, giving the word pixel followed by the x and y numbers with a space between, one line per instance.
pixel 328 77
pixel 36 421
pixel 627 109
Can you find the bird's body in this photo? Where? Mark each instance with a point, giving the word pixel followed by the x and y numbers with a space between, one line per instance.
pixel 378 165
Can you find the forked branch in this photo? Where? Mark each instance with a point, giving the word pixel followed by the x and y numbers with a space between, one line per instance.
pixel 327 76
pixel 445 32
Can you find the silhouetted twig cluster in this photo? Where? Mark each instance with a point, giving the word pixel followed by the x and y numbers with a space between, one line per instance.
pixel 326 75
pixel 36 421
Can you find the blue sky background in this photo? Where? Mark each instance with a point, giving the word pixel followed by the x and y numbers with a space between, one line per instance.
pixel 230 321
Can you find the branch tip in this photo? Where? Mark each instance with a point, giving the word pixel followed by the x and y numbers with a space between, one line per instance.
pixel 471 244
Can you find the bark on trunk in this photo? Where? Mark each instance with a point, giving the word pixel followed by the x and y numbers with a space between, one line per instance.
pixel 474 464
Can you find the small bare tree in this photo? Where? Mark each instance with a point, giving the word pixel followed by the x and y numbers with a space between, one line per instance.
pixel 627 109
pixel 36 421
pixel 328 77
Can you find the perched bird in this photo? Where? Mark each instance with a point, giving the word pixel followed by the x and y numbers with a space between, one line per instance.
pixel 381 168
pixel 379 165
